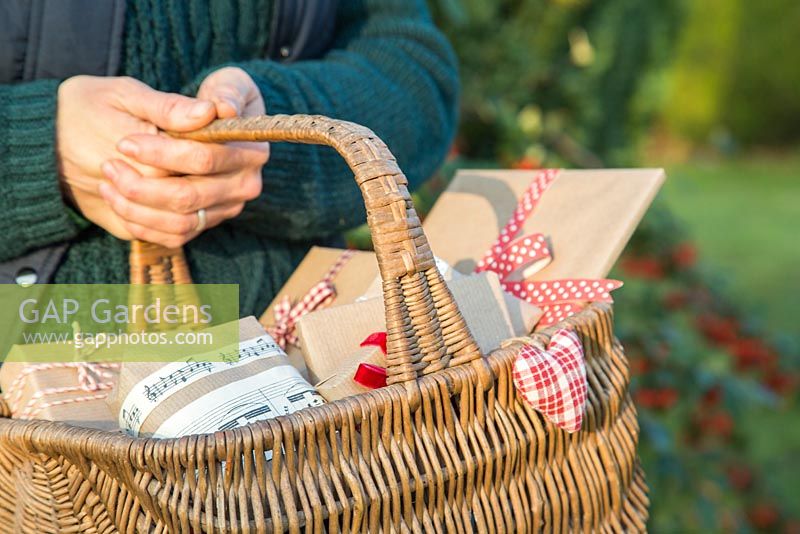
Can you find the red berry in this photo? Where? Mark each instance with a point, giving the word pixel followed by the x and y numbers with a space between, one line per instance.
pixel 763 516
pixel 740 477
pixel 684 255
pixel 712 397
pixel 647 397
pixel 780 382
pixel 526 163
pixel 647 267
pixel 720 424
pixel 751 353
pixel 656 398
pixel 667 397
pixel 718 329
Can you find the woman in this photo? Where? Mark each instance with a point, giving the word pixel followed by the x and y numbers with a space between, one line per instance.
pixel 83 168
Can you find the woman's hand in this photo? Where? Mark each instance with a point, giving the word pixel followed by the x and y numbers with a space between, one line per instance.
pixel 94 113
pixel 217 178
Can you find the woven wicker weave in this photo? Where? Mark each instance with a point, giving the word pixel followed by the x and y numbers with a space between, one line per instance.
pixel 448 446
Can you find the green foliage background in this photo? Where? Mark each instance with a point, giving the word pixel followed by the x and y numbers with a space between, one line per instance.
pixel 566 81
pixel 735 72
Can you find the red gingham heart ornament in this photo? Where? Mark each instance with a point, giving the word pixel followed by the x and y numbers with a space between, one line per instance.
pixel 553 381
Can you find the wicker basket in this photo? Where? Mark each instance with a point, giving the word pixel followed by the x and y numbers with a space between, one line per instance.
pixel 447 446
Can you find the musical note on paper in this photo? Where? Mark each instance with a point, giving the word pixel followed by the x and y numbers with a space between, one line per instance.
pixel 173 377
pixel 155 391
pixel 132 417
pixel 277 391
pixel 230 357
pixel 256 414
pixel 305 397
pixel 260 346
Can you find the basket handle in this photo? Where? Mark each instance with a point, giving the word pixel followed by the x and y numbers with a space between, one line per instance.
pixel 425 329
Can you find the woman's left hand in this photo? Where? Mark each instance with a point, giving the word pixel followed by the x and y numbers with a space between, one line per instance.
pixel 214 177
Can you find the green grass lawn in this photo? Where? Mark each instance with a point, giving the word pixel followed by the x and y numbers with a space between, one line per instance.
pixel 744 214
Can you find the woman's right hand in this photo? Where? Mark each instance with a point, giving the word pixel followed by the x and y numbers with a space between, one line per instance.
pixel 94 113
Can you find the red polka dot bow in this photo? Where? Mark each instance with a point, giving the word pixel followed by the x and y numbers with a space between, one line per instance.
pixel 529 254
pixel 553 381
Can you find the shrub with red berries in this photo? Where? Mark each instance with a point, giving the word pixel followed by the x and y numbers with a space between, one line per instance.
pixel 699 379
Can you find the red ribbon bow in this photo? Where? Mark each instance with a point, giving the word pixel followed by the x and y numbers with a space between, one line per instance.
pixel 286 315
pixel 529 254
pixel 319 296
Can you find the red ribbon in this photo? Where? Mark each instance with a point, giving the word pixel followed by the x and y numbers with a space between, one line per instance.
pixel 529 254
pixel 376 339
pixel 370 376
pixel 318 297
pixel 367 374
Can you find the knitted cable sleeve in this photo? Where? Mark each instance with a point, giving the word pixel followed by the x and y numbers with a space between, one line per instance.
pixel 33 211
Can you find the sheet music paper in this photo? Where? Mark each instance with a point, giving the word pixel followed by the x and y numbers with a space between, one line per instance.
pixel 146 395
pixel 277 391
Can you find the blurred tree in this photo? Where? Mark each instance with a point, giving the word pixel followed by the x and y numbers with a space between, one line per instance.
pixel 702 67
pixel 763 102
pixel 734 73
pixel 559 81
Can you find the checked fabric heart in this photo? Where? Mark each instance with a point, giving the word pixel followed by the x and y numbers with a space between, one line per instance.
pixel 553 381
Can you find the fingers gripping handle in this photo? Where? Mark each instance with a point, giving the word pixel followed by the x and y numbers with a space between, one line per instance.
pixel 425 329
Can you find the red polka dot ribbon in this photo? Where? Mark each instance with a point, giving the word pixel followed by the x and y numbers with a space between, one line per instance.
pixel 523 210
pixel 531 253
pixel 560 299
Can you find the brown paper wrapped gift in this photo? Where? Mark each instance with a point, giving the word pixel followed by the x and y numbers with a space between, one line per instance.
pixel 350 282
pixel 23 385
pixel 588 216
pixel 341 384
pixel 328 336
pixel 198 383
pixel 375 289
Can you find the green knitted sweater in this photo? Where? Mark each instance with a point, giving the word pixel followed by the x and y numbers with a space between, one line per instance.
pixel 389 69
